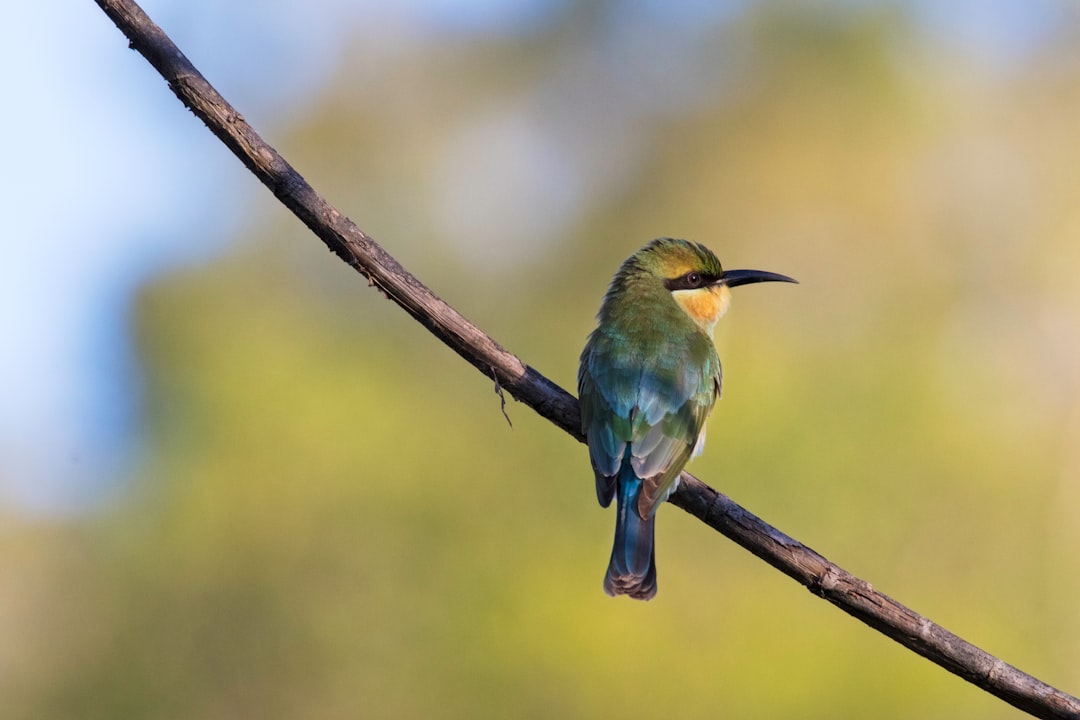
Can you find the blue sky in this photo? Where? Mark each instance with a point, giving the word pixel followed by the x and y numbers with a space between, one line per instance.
pixel 111 181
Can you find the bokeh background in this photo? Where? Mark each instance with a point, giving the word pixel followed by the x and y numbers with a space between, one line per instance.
pixel 237 482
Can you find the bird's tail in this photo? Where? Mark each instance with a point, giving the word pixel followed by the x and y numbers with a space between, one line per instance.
pixel 632 570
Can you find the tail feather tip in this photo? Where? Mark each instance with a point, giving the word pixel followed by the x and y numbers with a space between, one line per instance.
pixel 635 586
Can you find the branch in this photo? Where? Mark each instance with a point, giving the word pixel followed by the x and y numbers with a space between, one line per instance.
pixel 852 595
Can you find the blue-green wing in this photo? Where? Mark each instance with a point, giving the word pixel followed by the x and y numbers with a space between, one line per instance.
pixel 650 410
pixel 661 455
pixel 606 422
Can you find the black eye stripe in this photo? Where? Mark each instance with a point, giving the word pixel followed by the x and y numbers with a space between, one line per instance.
pixel 690 281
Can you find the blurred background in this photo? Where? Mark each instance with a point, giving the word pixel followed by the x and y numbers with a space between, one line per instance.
pixel 236 482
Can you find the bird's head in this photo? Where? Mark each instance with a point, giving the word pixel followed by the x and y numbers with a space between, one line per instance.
pixel 695 278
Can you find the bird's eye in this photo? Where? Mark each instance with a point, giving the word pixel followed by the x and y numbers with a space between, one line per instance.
pixel 693 279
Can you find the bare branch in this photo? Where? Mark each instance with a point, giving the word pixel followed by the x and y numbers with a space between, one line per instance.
pixel 852 595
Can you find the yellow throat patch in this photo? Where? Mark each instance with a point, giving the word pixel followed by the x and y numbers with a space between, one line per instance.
pixel 704 305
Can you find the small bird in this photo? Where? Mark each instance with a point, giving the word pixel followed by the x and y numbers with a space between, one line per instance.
pixel 649 376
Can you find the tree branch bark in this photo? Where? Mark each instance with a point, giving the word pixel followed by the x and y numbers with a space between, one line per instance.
pixel 823 578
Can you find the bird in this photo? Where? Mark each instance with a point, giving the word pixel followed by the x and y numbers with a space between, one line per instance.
pixel 648 378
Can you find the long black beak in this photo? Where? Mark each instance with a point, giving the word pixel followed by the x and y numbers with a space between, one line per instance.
pixel 733 278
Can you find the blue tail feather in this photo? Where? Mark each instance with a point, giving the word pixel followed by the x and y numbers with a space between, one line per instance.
pixel 632 570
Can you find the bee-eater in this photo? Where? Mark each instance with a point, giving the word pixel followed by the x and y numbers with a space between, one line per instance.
pixel 649 376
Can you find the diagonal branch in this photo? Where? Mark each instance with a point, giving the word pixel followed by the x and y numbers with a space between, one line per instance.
pixel 823 578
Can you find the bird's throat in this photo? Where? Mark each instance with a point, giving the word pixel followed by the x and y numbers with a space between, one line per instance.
pixel 704 305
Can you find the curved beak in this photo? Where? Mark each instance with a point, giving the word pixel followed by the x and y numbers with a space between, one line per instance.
pixel 733 278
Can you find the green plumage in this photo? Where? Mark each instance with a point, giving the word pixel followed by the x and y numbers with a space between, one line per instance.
pixel 649 376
